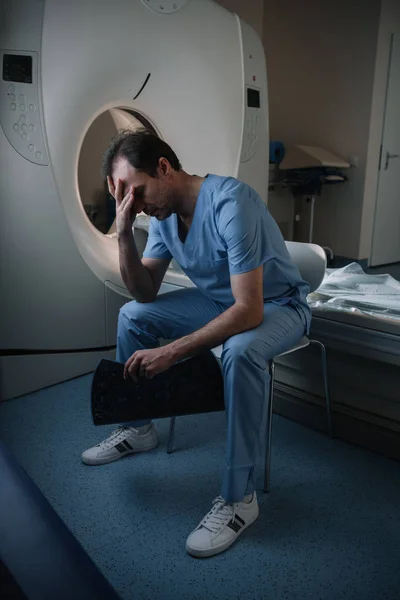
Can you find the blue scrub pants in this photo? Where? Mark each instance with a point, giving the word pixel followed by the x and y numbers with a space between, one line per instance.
pixel 245 359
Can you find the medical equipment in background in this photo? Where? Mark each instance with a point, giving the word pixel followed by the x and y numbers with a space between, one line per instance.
pixel 72 74
pixel 276 152
pixel 305 170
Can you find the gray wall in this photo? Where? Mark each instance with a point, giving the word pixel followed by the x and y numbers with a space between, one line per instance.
pixel 321 62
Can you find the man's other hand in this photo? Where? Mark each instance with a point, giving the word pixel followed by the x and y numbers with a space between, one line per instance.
pixel 148 363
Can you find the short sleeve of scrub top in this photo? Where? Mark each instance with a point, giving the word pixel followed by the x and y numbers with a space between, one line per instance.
pixel 155 246
pixel 239 222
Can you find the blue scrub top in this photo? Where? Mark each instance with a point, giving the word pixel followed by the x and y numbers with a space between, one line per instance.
pixel 232 232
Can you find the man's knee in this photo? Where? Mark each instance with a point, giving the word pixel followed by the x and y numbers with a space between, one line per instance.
pixel 241 349
pixel 134 312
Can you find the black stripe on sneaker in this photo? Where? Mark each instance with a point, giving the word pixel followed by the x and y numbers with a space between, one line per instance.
pixel 121 448
pixel 235 525
pixel 127 444
pixel 237 518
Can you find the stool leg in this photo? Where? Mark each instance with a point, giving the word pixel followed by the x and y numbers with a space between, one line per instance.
pixel 267 477
pixel 327 396
pixel 171 435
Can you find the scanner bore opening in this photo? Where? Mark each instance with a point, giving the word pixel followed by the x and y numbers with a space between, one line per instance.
pixel 98 204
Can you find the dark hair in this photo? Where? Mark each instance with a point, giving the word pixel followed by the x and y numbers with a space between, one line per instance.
pixel 142 149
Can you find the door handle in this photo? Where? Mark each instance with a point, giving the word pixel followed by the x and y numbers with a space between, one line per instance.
pixel 388 157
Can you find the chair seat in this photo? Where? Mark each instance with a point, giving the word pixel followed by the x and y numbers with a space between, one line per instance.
pixel 217 351
pixel 303 343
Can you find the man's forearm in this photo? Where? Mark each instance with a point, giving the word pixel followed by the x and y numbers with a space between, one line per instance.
pixel 234 320
pixel 135 276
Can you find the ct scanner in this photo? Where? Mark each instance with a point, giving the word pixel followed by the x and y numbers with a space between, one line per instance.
pixel 72 74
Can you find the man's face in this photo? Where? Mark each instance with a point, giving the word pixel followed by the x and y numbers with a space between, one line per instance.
pixel 153 195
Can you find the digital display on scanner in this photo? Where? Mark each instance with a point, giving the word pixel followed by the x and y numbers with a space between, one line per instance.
pixel 253 98
pixel 17 68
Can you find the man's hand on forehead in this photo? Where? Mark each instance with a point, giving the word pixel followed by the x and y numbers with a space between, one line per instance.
pixel 124 188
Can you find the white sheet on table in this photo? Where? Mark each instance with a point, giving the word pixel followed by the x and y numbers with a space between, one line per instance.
pixel 352 290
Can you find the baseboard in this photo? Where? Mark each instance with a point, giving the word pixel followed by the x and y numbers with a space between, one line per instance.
pixel 368 431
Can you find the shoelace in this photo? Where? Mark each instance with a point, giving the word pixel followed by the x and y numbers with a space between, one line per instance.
pixel 219 515
pixel 116 436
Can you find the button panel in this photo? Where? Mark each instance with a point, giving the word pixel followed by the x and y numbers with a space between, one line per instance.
pixel 20 116
pixel 250 133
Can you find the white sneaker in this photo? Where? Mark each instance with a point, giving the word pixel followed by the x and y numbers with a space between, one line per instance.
pixel 221 526
pixel 122 441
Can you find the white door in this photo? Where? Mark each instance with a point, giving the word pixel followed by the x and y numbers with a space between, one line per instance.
pixel 386 234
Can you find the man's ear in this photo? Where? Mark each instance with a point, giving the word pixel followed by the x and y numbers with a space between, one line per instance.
pixel 164 166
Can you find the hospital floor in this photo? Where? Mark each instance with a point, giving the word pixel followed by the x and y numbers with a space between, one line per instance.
pixel 328 530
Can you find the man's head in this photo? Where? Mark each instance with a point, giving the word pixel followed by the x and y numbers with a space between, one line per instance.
pixel 143 160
